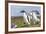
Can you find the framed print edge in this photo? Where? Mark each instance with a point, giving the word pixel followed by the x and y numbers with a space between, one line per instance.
pixel 6 17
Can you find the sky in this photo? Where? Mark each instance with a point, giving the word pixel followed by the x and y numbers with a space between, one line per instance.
pixel 15 9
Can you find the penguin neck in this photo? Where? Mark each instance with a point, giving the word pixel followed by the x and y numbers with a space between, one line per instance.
pixel 24 13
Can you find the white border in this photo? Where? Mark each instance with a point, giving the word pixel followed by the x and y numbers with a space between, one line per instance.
pixel 23 29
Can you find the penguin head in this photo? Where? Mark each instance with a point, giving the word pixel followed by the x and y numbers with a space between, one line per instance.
pixel 22 11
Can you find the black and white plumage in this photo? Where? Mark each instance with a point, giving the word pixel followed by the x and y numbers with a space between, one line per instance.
pixel 35 14
pixel 28 16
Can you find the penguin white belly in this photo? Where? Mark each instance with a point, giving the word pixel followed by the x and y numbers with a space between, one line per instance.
pixel 25 18
pixel 34 16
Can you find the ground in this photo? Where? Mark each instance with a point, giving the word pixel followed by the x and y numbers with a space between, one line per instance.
pixel 19 21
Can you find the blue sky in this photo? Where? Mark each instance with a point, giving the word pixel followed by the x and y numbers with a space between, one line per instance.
pixel 15 10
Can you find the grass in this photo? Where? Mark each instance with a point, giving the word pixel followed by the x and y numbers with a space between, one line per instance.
pixel 19 21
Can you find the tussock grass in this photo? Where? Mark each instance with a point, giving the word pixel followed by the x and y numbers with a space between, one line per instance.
pixel 19 21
